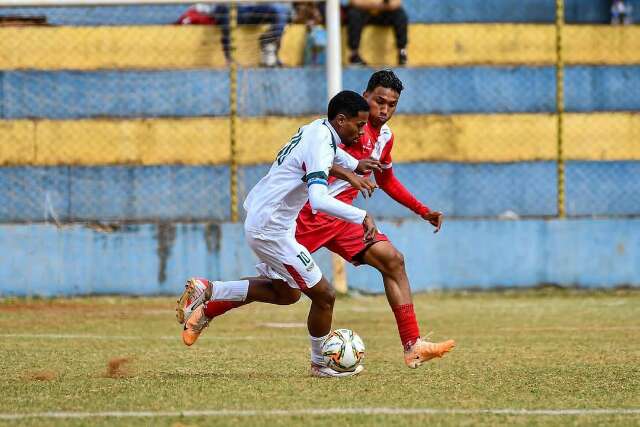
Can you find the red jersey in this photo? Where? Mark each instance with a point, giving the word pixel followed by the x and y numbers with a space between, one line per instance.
pixel 315 230
pixel 374 144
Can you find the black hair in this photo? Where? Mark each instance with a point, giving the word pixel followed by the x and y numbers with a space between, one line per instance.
pixel 347 102
pixel 385 78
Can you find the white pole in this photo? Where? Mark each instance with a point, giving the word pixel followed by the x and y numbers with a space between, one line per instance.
pixel 334 48
pixel 334 85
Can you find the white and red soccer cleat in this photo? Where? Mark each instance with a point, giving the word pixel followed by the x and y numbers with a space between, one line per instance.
pixel 196 292
pixel 194 326
pixel 326 372
pixel 422 351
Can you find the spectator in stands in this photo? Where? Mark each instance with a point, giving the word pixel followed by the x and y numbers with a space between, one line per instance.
pixel 621 12
pixel 311 15
pixel 378 12
pixel 248 14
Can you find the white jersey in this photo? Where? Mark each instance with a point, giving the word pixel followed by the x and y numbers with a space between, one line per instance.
pixel 276 200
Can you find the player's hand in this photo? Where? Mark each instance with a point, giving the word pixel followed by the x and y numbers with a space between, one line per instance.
pixel 363 185
pixel 435 218
pixel 368 165
pixel 370 230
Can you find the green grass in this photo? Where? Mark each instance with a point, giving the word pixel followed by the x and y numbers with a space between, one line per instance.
pixel 523 350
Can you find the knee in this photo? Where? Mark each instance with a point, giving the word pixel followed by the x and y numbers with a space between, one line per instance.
pixel 326 299
pixel 394 262
pixel 355 15
pixel 292 296
pixel 402 16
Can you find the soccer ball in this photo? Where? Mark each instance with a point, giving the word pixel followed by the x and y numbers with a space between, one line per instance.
pixel 343 350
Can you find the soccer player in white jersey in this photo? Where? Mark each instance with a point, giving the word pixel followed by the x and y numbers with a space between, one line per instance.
pixel 316 230
pixel 299 174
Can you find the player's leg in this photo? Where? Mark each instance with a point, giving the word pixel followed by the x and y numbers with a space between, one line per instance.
pixel 293 262
pixel 323 297
pixel 203 300
pixel 385 258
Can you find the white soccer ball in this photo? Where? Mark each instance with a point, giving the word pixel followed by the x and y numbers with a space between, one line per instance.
pixel 343 350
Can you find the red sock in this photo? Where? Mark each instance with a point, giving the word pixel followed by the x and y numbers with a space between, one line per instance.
pixel 216 308
pixel 407 324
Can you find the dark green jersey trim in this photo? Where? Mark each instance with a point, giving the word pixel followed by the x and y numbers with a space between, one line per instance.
pixel 320 175
pixel 333 142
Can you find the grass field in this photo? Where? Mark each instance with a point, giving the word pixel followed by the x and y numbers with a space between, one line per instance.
pixel 533 350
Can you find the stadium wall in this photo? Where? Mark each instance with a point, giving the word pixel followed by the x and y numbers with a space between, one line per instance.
pixel 149 259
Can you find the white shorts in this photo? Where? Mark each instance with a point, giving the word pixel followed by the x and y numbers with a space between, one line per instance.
pixel 283 258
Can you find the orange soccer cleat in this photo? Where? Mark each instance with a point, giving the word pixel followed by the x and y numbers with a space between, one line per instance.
pixel 194 325
pixel 196 292
pixel 422 351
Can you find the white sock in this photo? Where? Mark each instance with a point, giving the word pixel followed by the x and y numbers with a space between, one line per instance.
pixel 316 349
pixel 230 291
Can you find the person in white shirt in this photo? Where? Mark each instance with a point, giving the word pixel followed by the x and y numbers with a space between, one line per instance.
pixel 299 173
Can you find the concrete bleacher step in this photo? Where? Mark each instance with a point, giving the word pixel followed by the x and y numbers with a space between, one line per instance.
pixel 184 47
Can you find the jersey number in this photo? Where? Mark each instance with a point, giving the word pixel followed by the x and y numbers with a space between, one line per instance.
pixel 304 258
pixel 284 152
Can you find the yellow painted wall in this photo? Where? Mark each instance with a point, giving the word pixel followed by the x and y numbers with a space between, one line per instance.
pixel 183 47
pixel 460 138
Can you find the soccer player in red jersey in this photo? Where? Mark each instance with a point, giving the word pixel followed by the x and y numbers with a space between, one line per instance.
pixel 316 229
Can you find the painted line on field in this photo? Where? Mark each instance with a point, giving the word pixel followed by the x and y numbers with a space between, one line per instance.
pixel 326 411
pixel 139 338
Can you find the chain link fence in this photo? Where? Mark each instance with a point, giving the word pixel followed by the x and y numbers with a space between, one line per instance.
pixel 122 113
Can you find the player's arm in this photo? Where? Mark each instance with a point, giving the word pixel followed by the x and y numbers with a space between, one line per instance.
pixel 362 166
pixel 398 192
pixel 343 165
pixel 318 159
pixel 320 200
pixel 363 185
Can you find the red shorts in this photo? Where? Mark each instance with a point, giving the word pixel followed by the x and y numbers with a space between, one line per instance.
pixel 314 231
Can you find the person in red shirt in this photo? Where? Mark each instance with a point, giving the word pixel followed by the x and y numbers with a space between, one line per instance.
pixel 315 229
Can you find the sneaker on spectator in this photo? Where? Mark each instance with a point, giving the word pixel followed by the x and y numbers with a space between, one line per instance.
pixel 621 12
pixel 269 55
pixel 355 59
pixel 402 57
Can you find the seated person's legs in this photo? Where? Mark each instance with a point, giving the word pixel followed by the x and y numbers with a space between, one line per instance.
pixel 356 20
pixel 399 20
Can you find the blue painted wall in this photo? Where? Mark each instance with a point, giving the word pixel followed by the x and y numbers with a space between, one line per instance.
pixel 151 259
pixel 44 94
pixel 462 189
pixel 114 193
pixel 578 11
pixel 181 193
pixel 262 92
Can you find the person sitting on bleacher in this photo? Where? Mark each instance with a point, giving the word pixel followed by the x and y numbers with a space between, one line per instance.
pixel 621 12
pixel 376 12
pixel 248 14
